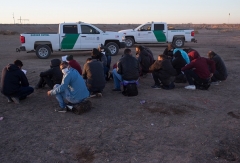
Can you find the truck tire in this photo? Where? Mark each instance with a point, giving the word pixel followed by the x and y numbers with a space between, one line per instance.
pixel 178 42
pixel 113 47
pixel 43 51
pixel 129 42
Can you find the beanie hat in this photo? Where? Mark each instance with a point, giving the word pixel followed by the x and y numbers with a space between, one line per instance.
pixel 69 57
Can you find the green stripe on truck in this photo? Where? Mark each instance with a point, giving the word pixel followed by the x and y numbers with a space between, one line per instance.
pixel 160 36
pixel 69 41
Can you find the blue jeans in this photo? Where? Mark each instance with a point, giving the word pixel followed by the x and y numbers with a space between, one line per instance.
pixel 65 96
pixel 117 79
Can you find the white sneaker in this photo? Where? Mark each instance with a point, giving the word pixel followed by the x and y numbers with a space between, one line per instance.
pixel 192 87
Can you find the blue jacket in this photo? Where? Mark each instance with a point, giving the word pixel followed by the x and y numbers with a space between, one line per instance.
pixel 74 82
pixel 184 55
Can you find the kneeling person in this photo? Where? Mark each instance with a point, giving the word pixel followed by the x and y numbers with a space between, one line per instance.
pixel 72 88
pixel 163 73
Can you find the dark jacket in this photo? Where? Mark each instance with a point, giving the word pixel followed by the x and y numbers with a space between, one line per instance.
pixel 54 72
pixel 74 64
pixel 178 62
pixel 128 67
pixel 144 60
pixel 164 70
pixel 94 74
pixel 220 66
pixel 201 66
pixel 168 53
pixel 13 78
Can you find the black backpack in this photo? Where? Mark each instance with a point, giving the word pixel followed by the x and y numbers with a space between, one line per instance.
pixel 130 89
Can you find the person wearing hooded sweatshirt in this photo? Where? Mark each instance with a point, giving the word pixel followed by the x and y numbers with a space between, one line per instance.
pixel 14 83
pixel 183 53
pixel 51 76
pixel 198 70
pixel 163 73
pixel 144 60
pixel 74 64
pixel 94 74
pixel 178 63
pixel 221 71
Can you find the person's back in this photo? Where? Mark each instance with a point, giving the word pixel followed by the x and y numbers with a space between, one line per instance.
pixel 94 74
pixel 183 53
pixel 128 67
pixel 221 70
pixel 201 66
pixel 74 64
pixel 178 62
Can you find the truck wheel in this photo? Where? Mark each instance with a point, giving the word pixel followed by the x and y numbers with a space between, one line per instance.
pixel 113 47
pixel 43 51
pixel 178 42
pixel 129 42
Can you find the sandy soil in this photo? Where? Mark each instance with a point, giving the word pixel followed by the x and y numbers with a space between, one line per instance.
pixel 179 126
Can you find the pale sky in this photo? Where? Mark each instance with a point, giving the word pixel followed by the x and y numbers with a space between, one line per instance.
pixel 120 11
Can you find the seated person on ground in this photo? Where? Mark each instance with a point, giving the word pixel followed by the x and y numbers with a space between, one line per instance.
pixel 94 74
pixel 163 73
pixel 169 51
pixel 72 89
pixel 221 71
pixel 183 53
pixel 127 69
pixel 197 71
pixel 178 63
pixel 74 64
pixel 144 60
pixel 105 53
pixel 14 83
pixel 51 76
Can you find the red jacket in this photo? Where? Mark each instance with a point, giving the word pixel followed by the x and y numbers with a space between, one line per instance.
pixel 74 64
pixel 203 67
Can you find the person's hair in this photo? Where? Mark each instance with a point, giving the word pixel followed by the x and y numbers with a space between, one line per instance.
pixel 127 51
pixel 69 57
pixel 95 53
pixel 162 56
pixel 211 53
pixel 64 63
pixel 18 63
pixel 139 47
pixel 88 59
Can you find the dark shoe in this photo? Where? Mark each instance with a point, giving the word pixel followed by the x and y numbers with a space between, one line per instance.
pixel 156 87
pixel 15 100
pixel 61 110
pixel 115 89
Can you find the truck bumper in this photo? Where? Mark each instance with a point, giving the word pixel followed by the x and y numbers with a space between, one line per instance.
pixel 122 45
pixel 21 48
pixel 194 40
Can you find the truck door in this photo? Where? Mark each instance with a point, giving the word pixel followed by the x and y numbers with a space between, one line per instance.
pixel 144 34
pixel 160 33
pixel 90 37
pixel 69 37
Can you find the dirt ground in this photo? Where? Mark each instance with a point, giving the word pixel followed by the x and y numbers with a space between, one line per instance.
pixel 172 126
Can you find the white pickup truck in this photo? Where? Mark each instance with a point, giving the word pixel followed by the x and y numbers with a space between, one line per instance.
pixel 71 37
pixel 157 32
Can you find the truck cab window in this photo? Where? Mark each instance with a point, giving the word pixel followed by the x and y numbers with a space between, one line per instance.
pixel 89 30
pixel 158 27
pixel 70 29
pixel 146 27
